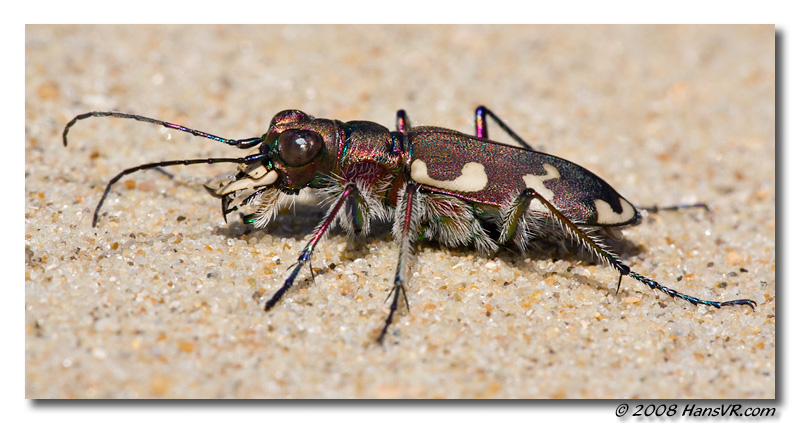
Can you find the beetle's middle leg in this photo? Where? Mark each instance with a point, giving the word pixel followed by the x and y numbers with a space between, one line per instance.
pixel 405 228
pixel 348 191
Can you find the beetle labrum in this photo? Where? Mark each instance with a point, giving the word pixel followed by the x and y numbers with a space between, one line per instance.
pixel 432 183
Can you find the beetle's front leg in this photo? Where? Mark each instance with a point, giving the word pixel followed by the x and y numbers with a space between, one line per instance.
pixel 405 228
pixel 349 191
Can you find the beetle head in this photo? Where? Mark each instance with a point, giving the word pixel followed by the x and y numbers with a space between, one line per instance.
pixel 296 153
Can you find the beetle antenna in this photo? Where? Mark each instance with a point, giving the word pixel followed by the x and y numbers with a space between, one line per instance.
pixel 242 143
pixel 211 160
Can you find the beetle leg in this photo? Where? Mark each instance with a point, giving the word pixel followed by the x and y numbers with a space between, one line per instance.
pixel 514 221
pixel 520 222
pixel 305 256
pixel 656 209
pixel 405 228
pixel 402 122
pixel 453 222
pixel 366 205
pixel 604 253
pixel 482 130
pixel 593 244
pixel 355 211
pixel 673 293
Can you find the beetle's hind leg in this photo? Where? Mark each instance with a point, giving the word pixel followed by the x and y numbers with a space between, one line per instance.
pixel 656 209
pixel 677 207
pixel 595 245
pixel 401 122
pixel 482 129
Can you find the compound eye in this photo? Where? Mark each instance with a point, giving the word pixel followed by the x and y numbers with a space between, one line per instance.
pixel 298 147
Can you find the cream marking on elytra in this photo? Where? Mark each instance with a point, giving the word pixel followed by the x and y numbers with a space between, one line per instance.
pixel 607 216
pixel 268 179
pixel 473 177
pixel 536 182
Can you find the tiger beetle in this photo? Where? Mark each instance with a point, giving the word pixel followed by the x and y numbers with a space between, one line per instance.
pixel 432 183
